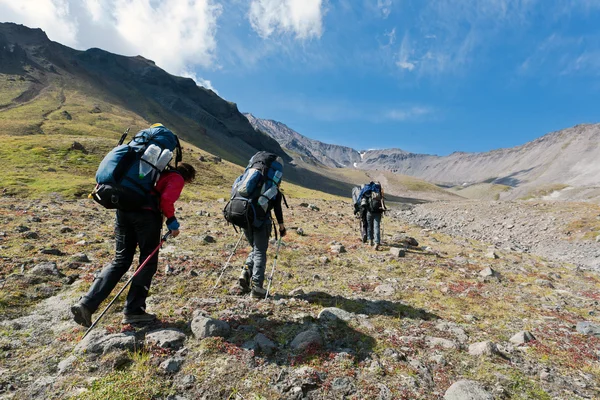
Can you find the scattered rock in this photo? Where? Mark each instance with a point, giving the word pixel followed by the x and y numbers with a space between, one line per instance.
pixel 324 260
pixel 207 239
pixel 78 147
pixel 216 159
pixel 385 290
pixel 488 274
pixel 303 205
pixel 80 258
pixel 66 365
pixel 338 249
pixel 310 338
pixel 31 235
pixel 313 207
pixel 343 385
pixel 522 338
pixel 166 338
pixel 491 255
pixel 265 345
pixel 172 365
pixel 467 390
pixel 598 239
pixel 22 228
pixel 95 110
pixel 406 240
pixel 330 314
pixel 544 283
pixel 65 114
pixel 203 327
pixel 445 343
pixel 300 231
pixel 66 229
pixel 121 361
pixel 486 348
pixel 100 342
pixel 298 292
pixel 397 252
pixel 588 328
pixel 221 200
pixel 202 159
pixel 52 252
pixel 47 268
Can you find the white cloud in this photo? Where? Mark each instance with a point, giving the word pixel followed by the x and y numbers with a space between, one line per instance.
pixel 405 114
pixel 405 54
pixel 205 83
pixel 51 15
pixel 303 18
pixel 385 7
pixel 176 34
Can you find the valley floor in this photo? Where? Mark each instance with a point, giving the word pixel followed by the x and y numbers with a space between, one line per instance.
pixel 354 324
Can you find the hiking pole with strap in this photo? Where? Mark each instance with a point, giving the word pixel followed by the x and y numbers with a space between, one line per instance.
pixel 137 271
pixel 270 279
pixel 227 263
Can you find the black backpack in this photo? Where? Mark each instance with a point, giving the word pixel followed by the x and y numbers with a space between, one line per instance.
pixel 253 193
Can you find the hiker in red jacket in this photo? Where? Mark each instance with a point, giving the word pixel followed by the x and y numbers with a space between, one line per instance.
pixel 133 228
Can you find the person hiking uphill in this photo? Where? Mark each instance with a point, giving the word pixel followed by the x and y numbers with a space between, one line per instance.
pixel 372 199
pixel 132 228
pixel 360 212
pixel 253 195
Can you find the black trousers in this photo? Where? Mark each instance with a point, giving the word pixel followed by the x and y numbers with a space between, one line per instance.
pixel 132 228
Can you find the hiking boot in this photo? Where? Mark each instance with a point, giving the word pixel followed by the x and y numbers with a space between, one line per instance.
pixel 142 318
pixel 371 243
pixel 81 315
pixel 364 239
pixel 244 280
pixel 376 247
pixel 258 292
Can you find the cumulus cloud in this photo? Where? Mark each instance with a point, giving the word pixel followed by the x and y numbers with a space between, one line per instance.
pixel 50 15
pixel 176 34
pixel 205 83
pixel 385 7
pixel 303 18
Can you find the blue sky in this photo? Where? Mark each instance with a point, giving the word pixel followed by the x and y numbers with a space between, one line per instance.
pixel 426 76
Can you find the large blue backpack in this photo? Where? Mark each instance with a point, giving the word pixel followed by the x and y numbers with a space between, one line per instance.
pixel 253 193
pixel 127 174
pixel 371 197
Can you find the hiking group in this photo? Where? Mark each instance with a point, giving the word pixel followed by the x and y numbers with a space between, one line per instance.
pixel 144 178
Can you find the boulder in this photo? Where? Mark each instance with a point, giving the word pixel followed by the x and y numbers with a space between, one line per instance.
pixel 166 338
pixel 66 229
pixel 99 342
pixel 80 258
pixel 588 328
pixel 338 249
pixel 207 239
pixel 467 390
pixel 331 314
pixel 313 207
pixel 306 339
pixel 522 338
pixel 296 292
pixel 397 252
pixel 300 231
pixel 486 348
pixel 489 274
pixel 445 343
pixel 31 235
pixel 172 365
pixel 491 255
pixel 203 327
pixel 47 268
pixel 264 344
pixel 385 290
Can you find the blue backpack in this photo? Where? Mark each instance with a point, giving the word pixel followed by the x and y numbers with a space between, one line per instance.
pixel 253 192
pixel 371 197
pixel 127 174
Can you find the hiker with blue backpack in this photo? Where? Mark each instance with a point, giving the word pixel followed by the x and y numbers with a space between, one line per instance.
pixel 254 195
pixel 371 201
pixel 137 181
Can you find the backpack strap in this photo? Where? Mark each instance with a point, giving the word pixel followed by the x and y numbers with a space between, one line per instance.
pixel 179 155
pixel 123 137
pixel 284 199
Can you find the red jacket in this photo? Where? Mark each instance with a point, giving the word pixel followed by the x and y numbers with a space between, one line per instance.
pixel 169 187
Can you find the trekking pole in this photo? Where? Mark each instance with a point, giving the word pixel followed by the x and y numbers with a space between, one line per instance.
pixel 273 270
pixel 162 240
pixel 227 263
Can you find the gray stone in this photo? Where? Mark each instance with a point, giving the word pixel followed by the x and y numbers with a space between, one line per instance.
pixel 22 228
pixel 385 290
pixel 66 365
pixel 544 283
pixel 313 207
pixel 80 257
pixel 31 235
pixel 330 314
pixel 445 343
pixel 66 229
pixel 47 268
pixel 324 260
pixel 488 274
pixel 384 392
pixel 265 344
pixel 296 292
pixel 467 390
pixel 52 252
pixel 486 348
pixel 221 200
pixel 172 365
pixel 203 327
pixel 99 342
pixel 491 255
pixel 397 252
pixel 300 231
pixel 588 328
pixel 343 385
pixel 338 249
pixel 166 338
pixel 207 239
pixel 598 239
pixel 303 340
pixel 522 338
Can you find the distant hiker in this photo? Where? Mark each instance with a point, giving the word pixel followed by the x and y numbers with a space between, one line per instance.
pixel 360 211
pixel 371 198
pixel 254 194
pixel 136 225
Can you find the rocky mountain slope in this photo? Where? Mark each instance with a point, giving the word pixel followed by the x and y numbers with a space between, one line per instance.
pixel 567 158
pixel 33 67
